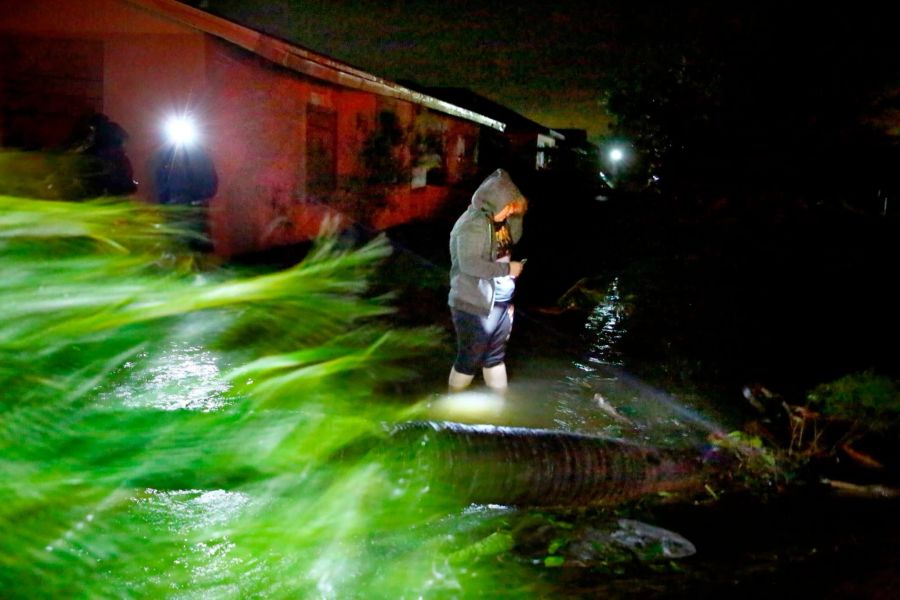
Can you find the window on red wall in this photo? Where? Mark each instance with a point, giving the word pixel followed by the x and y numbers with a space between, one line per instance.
pixel 47 87
pixel 321 152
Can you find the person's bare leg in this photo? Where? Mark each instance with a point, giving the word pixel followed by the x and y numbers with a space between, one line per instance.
pixel 458 381
pixel 495 377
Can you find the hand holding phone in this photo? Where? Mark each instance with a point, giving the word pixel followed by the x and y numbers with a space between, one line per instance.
pixel 515 267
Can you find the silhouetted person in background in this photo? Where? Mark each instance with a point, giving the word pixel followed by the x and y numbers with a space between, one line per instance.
pixel 107 170
pixel 184 175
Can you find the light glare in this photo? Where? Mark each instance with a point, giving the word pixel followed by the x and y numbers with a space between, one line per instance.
pixel 469 407
pixel 181 131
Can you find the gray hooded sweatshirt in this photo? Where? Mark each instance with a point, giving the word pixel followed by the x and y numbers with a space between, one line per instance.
pixel 473 249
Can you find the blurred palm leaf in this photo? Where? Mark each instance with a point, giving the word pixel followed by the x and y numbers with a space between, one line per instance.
pixel 169 433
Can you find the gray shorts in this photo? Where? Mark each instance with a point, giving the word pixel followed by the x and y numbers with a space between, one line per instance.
pixel 481 341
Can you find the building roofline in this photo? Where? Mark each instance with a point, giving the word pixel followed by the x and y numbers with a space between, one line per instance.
pixel 302 60
pixel 514 121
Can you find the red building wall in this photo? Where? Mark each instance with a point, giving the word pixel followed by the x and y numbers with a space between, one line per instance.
pixel 253 117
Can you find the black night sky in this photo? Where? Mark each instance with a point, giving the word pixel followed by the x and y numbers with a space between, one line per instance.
pixel 555 62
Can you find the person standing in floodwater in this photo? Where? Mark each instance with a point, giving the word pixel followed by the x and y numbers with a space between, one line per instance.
pixel 483 280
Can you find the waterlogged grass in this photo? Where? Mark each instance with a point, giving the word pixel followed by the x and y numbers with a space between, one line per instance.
pixel 173 433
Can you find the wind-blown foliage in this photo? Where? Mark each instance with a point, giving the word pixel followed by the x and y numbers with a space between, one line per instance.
pixel 869 401
pixel 170 433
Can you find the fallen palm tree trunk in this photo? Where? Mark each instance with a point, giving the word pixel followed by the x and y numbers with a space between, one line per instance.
pixel 862 491
pixel 538 467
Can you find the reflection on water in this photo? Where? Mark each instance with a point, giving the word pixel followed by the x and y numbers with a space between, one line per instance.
pixel 660 417
pixel 182 376
pixel 605 401
pixel 472 406
pixel 593 395
pixel 606 326
pixel 185 510
pixel 182 512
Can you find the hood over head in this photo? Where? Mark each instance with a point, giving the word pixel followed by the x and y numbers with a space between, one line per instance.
pixel 495 192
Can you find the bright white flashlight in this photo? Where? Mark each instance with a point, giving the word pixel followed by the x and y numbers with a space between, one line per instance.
pixel 616 155
pixel 181 131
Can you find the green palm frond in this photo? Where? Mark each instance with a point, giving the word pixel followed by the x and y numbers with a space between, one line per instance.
pixel 169 433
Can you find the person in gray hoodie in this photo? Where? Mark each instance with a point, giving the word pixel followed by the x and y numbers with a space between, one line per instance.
pixel 483 280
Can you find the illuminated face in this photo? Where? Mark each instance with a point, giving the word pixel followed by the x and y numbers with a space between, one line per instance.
pixel 516 207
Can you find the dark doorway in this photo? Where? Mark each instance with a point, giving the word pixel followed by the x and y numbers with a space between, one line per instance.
pixel 321 152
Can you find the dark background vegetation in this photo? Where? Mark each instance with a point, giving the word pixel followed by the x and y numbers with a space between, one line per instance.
pixel 754 99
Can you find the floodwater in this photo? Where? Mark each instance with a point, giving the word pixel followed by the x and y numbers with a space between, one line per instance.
pixel 578 370
pixel 588 396
pixel 739 546
pixel 591 393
